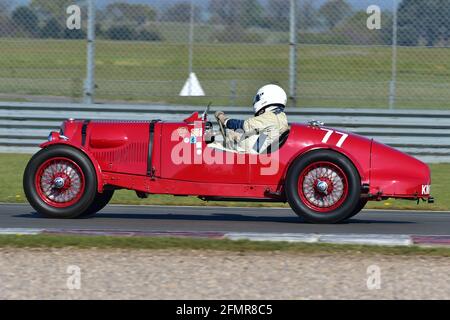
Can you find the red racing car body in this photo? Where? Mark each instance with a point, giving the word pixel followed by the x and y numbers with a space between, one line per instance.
pixel 325 175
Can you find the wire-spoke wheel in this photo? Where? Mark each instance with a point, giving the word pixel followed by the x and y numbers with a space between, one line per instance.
pixel 60 182
pixel 323 187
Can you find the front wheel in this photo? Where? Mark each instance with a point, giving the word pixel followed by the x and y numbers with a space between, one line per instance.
pixel 100 201
pixel 60 182
pixel 323 187
pixel 362 203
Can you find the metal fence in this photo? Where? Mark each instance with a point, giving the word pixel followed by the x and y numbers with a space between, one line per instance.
pixel 423 134
pixel 325 53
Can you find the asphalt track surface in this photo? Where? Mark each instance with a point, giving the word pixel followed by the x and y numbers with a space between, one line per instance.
pixel 267 220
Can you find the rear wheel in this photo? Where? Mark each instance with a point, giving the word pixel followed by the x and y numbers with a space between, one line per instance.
pixel 100 201
pixel 60 182
pixel 323 187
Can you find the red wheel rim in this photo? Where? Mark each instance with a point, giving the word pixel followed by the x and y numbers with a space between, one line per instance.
pixel 59 182
pixel 323 186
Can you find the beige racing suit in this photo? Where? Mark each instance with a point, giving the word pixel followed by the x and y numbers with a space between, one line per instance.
pixel 254 135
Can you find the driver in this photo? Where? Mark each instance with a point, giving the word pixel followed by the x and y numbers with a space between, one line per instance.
pixel 254 135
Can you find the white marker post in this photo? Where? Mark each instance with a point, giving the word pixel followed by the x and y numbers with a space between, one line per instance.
pixel 192 87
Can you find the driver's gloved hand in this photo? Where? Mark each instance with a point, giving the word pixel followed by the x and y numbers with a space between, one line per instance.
pixel 220 115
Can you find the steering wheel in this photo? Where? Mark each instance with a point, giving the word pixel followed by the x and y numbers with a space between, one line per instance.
pixel 222 131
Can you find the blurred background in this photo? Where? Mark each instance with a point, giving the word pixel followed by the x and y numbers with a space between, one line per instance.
pixel 144 51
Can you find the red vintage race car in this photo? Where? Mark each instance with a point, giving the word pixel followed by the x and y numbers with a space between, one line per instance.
pixel 324 174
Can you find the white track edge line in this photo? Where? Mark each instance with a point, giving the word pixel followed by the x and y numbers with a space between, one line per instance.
pixel 357 239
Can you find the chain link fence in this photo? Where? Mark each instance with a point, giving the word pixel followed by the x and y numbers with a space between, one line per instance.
pixel 325 53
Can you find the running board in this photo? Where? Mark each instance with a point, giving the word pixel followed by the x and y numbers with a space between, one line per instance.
pixel 240 199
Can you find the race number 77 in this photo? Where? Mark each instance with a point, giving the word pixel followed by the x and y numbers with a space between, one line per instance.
pixel 330 133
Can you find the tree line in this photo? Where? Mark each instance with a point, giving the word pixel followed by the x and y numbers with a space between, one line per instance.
pixel 420 22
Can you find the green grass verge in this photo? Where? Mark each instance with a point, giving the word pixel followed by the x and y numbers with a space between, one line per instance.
pixel 328 75
pixel 158 243
pixel 12 167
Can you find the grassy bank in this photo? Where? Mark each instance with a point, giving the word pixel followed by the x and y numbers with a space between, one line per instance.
pixel 11 191
pixel 328 75
pixel 158 243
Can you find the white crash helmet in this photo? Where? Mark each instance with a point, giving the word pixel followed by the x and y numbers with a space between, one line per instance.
pixel 268 95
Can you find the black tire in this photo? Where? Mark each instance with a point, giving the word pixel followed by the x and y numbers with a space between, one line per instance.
pixel 348 202
pixel 100 201
pixel 86 197
pixel 362 203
